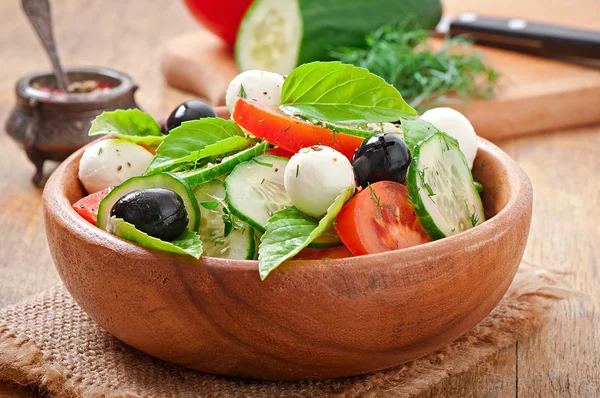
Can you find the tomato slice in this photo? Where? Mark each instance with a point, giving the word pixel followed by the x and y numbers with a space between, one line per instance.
pixel 319 254
pixel 379 219
pixel 87 207
pixel 280 152
pixel 290 133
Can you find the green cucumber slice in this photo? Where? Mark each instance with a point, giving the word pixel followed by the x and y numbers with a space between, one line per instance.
pixel 278 35
pixel 239 244
pixel 210 172
pixel 255 190
pixel 364 130
pixel 160 180
pixel 269 36
pixel 441 188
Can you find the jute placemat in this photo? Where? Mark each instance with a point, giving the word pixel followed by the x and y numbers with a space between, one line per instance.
pixel 51 343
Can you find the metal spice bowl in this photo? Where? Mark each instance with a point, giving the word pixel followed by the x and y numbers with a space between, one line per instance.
pixel 51 125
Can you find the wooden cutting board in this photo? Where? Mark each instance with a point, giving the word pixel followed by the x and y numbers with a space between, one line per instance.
pixel 534 94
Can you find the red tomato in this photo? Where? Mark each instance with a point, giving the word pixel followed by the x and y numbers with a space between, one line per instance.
pixel 222 18
pixel 378 219
pixel 88 207
pixel 280 152
pixel 290 133
pixel 318 254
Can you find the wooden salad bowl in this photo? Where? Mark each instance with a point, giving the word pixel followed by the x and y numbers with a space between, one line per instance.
pixel 308 319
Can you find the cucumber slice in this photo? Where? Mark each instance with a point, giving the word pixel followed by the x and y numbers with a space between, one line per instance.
pixel 277 35
pixel 255 190
pixel 160 180
pixel 269 36
pixel 239 243
pixel 210 172
pixel 441 187
pixel 364 130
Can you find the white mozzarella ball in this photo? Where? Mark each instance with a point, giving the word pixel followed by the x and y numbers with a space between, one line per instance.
pixel 456 125
pixel 258 85
pixel 315 176
pixel 108 163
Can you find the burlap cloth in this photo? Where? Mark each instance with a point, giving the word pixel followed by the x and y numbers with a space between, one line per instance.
pixel 51 343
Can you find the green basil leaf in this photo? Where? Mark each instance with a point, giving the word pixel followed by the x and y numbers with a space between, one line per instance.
pixel 131 124
pixel 415 131
pixel 289 231
pixel 188 243
pixel 341 93
pixel 195 140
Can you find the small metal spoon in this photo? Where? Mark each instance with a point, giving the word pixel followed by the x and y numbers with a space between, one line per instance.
pixel 40 17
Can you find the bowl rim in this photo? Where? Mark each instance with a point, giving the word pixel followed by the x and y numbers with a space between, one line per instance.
pixel 521 188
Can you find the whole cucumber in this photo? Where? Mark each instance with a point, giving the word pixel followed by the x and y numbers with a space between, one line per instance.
pixel 278 35
pixel 331 24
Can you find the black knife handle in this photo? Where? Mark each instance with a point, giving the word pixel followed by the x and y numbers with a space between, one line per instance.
pixel 530 37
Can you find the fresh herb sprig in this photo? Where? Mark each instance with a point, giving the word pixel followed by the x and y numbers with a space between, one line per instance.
pixel 425 76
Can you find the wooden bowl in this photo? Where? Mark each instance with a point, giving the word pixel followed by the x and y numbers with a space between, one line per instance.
pixel 308 319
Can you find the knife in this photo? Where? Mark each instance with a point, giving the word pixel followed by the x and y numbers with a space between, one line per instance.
pixel 517 34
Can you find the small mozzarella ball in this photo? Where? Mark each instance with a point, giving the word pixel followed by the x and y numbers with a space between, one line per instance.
pixel 108 163
pixel 258 85
pixel 315 176
pixel 456 125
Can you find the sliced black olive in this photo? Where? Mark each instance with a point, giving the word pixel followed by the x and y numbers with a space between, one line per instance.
pixel 156 211
pixel 382 157
pixel 189 110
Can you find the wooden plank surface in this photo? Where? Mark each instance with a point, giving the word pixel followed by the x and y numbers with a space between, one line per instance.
pixel 562 359
pixel 535 94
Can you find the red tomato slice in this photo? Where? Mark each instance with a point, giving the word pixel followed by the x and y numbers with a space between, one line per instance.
pixel 290 133
pixel 378 219
pixel 319 254
pixel 87 207
pixel 280 152
pixel 222 18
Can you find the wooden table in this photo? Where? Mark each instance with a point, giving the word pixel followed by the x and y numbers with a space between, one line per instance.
pixel 561 359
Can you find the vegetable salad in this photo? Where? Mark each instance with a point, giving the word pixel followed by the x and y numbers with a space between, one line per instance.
pixel 327 162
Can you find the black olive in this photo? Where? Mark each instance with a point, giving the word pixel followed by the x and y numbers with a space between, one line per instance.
pixel 156 211
pixel 381 157
pixel 189 110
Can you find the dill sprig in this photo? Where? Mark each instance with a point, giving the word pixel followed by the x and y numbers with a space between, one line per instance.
pixel 425 76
